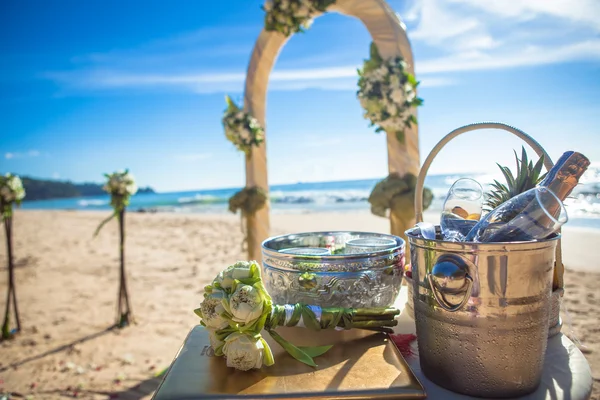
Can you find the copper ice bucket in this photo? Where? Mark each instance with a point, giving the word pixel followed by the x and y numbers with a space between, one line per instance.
pixel 481 311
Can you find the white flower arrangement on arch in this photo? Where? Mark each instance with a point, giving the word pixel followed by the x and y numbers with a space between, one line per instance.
pixel 241 128
pixel 291 16
pixel 388 92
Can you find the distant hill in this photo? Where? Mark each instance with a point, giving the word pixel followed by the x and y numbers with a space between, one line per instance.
pixel 41 189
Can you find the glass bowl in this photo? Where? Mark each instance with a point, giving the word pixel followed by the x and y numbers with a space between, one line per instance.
pixel 344 278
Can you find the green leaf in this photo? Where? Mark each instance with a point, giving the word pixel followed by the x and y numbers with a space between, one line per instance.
pixel 315 351
pixel 410 78
pixel 374 53
pixel 113 215
pixel 537 169
pixel 268 359
pixel 400 137
pixel 510 180
pixel 292 350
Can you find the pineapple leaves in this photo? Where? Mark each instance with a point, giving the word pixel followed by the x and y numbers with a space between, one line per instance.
pixel 527 177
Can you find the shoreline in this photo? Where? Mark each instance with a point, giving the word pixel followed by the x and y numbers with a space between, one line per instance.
pixel 577 242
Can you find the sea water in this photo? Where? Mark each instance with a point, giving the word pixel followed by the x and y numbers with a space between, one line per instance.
pixel 583 206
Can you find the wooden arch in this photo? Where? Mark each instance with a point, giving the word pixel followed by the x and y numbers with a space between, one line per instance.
pixel 389 34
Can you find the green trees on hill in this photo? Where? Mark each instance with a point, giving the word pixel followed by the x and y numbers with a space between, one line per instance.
pixel 39 189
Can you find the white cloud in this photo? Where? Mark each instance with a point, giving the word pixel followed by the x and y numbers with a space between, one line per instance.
pixel 459 36
pixel 30 153
pixel 584 12
pixel 527 56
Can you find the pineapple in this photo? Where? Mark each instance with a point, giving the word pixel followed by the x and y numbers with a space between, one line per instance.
pixel 528 176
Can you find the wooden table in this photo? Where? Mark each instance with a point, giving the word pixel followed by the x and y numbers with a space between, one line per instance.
pixel 566 374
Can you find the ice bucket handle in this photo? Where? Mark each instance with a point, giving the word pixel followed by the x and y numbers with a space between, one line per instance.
pixel 558 266
pixel 450 276
pixel 442 301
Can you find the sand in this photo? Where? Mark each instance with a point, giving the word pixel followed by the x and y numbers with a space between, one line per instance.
pixel 67 292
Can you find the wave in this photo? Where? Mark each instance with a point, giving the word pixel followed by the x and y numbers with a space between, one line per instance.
pixel 92 203
pixel 201 199
pixel 319 197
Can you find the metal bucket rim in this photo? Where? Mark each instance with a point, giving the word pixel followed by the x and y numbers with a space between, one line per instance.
pixel 474 246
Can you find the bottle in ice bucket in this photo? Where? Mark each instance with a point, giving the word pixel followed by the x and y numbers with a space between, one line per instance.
pixel 461 209
pixel 536 213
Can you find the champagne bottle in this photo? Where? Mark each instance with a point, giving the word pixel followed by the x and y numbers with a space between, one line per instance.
pixel 565 174
pixel 561 180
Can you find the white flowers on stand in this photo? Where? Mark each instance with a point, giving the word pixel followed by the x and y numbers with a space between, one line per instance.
pixel 11 192
pixel 120 183
pixel 291 16
pixel 241 129
pixel 387 92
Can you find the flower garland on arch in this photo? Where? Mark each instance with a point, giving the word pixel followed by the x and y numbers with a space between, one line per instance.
pixel 249 200
pixel 291 16
pixel 388 92
pixel 241 128
pixel 397 194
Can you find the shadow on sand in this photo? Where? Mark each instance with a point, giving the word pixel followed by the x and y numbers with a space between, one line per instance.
pixel 58 349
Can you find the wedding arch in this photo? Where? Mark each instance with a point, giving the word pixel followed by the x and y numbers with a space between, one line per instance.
pixel 389 35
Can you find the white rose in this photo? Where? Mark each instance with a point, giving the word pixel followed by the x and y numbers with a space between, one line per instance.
pixel 246 304
pixel 410 93
pixel 243 351
pixel 15 183
pixel 268 6
pixel 284 4
pixel 212 310
pixel 394 82
pixel 239 270
pixel 132 188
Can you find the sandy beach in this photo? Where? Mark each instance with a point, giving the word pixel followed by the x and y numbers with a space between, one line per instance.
pixel 67 290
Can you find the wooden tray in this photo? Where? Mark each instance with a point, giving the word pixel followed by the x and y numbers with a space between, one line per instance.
pixel 361 365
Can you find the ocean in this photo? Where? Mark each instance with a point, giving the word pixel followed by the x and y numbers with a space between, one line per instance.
pixel 583 206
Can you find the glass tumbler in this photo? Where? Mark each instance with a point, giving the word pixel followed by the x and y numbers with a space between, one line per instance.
pixel 462 209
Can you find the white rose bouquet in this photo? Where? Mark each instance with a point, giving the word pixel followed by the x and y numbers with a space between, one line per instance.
pixel 236 308
pixel 241 129
pixel 387 92
pixel 121 186
pixel 291 16
pixel 11 193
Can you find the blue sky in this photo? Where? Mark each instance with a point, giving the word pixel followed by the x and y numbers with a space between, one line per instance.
pixel 94 86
